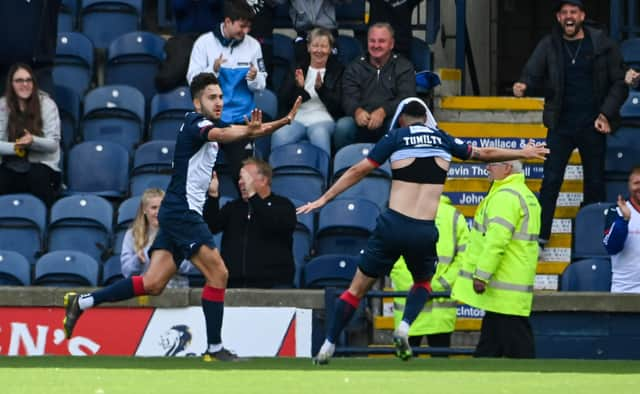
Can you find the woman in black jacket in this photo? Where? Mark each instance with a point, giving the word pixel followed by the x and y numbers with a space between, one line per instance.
pixel 318 80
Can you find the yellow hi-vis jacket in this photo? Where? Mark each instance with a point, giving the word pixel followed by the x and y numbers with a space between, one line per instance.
pixel 503 250
pixel 439 314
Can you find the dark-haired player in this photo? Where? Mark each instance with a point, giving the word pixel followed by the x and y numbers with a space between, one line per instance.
pixel 420 158
pixel 183 233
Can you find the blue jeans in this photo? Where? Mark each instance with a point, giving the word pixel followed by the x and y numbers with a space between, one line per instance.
pixel 318 134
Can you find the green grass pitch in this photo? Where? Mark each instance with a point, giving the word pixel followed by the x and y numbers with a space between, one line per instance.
pixel 111 375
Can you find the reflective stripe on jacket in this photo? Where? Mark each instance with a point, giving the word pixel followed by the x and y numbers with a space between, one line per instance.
pixel 503 250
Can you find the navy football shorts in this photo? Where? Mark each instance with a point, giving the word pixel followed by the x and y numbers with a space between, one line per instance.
pixel 182 235
pixel 395 235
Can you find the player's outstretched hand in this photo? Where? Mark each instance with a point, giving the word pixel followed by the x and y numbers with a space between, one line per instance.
pixel 311 206
pixel 535 150
pixel 256 119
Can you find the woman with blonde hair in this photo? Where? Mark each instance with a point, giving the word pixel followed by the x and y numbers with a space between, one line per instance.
pixel 134 257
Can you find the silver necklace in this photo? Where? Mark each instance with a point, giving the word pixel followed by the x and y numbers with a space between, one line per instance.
pixel 573 56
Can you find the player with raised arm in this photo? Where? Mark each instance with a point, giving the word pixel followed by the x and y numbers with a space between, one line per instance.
pixel 420 157
pixel 183 234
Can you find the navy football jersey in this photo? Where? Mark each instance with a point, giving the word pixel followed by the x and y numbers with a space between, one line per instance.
pixel 193 161
pixel 418 141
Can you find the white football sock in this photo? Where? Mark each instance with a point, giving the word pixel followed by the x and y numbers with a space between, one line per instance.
pixel 85 301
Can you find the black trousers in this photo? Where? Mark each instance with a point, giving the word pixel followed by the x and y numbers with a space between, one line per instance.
pixel 40 180
pixel 592 146
pixel 433 340
pixel 505 336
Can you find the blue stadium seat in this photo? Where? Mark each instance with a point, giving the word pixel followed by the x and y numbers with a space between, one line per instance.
pixel 114 113
pixel 66 268
pixel 375 186
pixel 331 270
pixel 100 168
pixel 349 49
pixel 588 232
pixel 133 59
pixel 631 52
pixel 421 55
pixel 300 171
pixel 111 271
pixel 302 242
pixel 15 270
pixel 104 20
pixel 630 110
pixel 126 214
pixel 613 188
pixel 73 65
pixel 283 59
pixel 227 185
pixel 281 19
pixel 152 166
pixel 587 275
pixel 81 223
pixel 351 15
pixel 344 226
pixel 23 219
pixel 67 15
pixel 267 101
pixel 167 113
pixel 622 153
pixel 68 103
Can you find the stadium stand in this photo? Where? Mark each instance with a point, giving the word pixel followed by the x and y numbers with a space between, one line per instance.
pixel 344 226
pixel 100 168
pixel 152 166
pixel 126 214
pixel 74 62
pixel 302 243
pixel 68 15
pixel 349 49
pixel 68 103
pixel 375 186
pixel 587 275
pixel 104 20
pixel 588 232
pixel 111 271
pixel 114 113
pixel 331 270
pixel 133 59
pixel 81 223
pixel 267 101
pixel 299 164
pixel 167 113
pixel 15 270
pixel 23 219
pixel 66 268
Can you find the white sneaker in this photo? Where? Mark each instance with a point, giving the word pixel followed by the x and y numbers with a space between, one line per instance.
pixel 325 353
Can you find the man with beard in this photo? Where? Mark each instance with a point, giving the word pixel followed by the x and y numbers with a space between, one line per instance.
pixel 581 74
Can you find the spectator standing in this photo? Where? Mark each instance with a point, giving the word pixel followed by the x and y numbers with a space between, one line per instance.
pixel 29 137
pixel 372 87
pixel 134 257
pixel 257 228
pixel 622 239
pixel 236 59
pixel 580 72
pixel 437 320
pixel 398 14
pixel 28 34
pixel 318 80
pixel 499 267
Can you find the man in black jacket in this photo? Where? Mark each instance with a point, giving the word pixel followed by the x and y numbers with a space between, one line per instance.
pixel 372 87
pixel 581 74
pixel 257 230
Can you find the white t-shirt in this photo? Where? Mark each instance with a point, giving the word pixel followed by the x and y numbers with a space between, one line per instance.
pixel 625 265
pixel 313 110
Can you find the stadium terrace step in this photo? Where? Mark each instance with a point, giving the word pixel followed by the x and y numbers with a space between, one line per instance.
pixel 489 109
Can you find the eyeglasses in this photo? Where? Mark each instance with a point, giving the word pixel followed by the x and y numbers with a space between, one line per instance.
pixel 23 80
